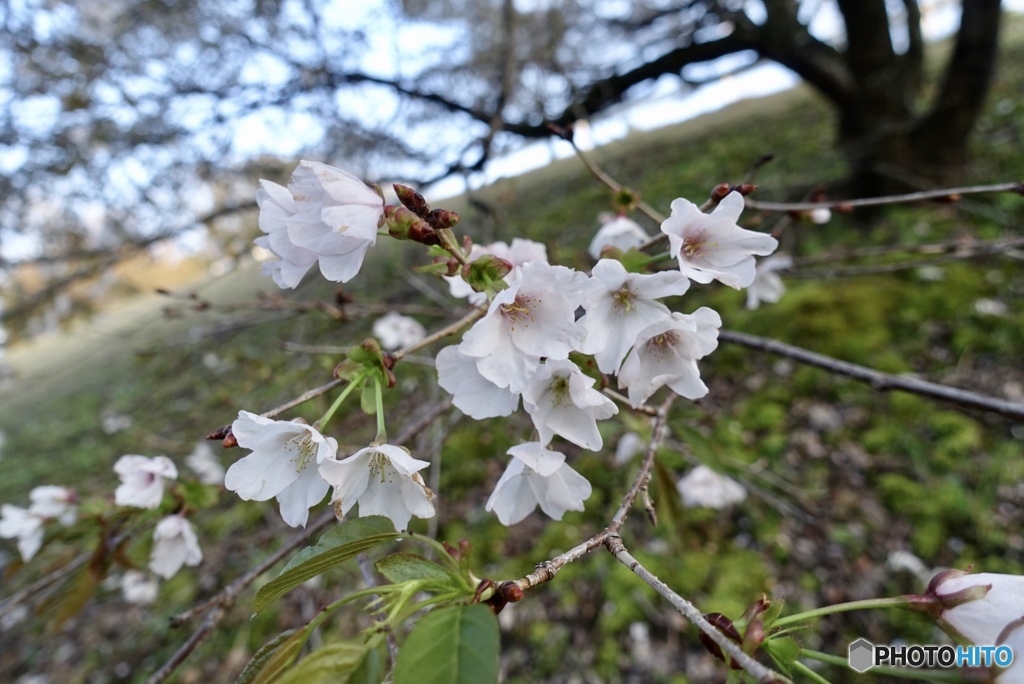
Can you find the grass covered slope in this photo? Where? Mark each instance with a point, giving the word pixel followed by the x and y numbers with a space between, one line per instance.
pixel 844 481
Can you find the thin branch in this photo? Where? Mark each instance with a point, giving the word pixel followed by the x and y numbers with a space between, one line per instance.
pixel 441 334
pixel 947 194
pixel 693 614
pixel 612 184
pixel 877 379
pixel 959 248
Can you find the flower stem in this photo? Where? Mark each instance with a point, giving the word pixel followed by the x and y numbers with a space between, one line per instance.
pixel 867 604
pixel 809 673
pixel 378 396
pixel 326 418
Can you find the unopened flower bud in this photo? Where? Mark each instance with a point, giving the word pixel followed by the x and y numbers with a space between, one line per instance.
pixel 416 203
pixel 719 192
pixel 753 636
pixel 726 627
pixel 745 188
pixel 440 219
pixel 402 223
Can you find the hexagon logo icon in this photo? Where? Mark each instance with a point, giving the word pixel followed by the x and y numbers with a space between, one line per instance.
pixel 861 655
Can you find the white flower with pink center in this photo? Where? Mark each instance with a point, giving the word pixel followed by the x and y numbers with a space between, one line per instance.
pixel 325 215
pixel 142 480
pixel 537 476
pixel 711 246
pixel 619 305
pixel 283 464
pixel 384 480
pixel 533 317
pixel 666 353
pixel 562 401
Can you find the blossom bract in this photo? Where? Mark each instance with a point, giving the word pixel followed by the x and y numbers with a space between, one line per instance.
pixel 619 305
pixel 767 285
pixel 283 464
pixel 562 400
pixel 711 246
pixel 384 480
pixel 520 252
pixel 396 331
pixel 174 544
pixel 702 487
pixel 142 480
pixel 537 476
pixel 472 393
pixel 325 215
pixel 620 233
pixel 533 317
pixel 666 353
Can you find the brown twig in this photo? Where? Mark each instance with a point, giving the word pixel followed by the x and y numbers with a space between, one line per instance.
pixel 877 379
pixel 612 184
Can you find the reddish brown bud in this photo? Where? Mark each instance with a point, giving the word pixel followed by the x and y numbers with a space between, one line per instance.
pixel 416 203
pixel 745 188
pixel 726 627
pixel 843 207
pixel 511 591
pixel 403 224
pixel 229 441
pixel 439 219
pixel 219 433
pixel 951 198
pixel 719 192
pixel 452 551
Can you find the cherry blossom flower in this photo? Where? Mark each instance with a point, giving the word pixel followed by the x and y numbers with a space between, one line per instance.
pixel 629 445
pixel 51 501
pixel 562 400
pixel 282 464
pixel 533 317
pixel 821 215
pixel 711 246
pixel 537 476
pixel 48 502
pixel 138 588
pixel 205 464
pixel 325 215
pixel 520 252
pixel 619 305
pixel 702 487
pixel 142 480
pixel 174 544
pixel 767 285
pixel 396 331
pixel 23 525
pixel 666 353
pixel 384 480
pixel 621 233
pixel 472 393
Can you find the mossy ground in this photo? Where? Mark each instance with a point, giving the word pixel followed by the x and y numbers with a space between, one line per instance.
pixel 840 476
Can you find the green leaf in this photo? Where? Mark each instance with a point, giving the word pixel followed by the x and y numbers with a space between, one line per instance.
pixel 635 261
pixel 454 645
pixel 667 502
pixel 408 567
pixel 784 651
pixel 273 658
pixel 336 546
pixel 336 664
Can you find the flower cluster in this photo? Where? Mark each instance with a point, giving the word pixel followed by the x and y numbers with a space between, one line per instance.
pixel 27 525
pixel 296 464
pixel 517 352
pixel 520 348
